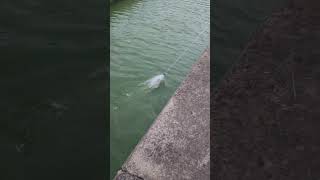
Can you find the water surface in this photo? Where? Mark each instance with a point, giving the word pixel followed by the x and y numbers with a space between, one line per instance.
pixel 147 36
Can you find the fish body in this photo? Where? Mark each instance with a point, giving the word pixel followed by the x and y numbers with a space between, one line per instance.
pixel 155 82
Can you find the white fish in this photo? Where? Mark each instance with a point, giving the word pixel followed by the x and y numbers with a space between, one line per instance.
pixel 155 82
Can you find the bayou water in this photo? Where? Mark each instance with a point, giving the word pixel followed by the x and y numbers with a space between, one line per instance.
pixel 147 36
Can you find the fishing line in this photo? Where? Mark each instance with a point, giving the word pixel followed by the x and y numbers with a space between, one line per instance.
pixel 181 55
pixel 155 81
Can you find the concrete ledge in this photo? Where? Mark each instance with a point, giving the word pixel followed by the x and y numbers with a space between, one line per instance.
pixel 177 145
pixel 123 175
pixel 266 110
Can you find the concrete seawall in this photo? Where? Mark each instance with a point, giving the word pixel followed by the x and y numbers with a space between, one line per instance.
pixel 266 109
pixel 177 145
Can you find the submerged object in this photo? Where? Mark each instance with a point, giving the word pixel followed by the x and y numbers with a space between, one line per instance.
pixel 154 82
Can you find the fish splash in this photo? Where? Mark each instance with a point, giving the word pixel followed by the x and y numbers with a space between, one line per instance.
pixel 154 82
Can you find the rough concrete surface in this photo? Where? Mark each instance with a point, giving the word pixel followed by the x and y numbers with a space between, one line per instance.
pixel 265 123
pixel 123 175
pixel 177 145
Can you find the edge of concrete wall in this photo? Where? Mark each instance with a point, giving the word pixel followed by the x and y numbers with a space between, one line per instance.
pixel 177 145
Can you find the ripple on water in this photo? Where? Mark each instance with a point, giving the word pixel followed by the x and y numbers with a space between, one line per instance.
pixel 147 36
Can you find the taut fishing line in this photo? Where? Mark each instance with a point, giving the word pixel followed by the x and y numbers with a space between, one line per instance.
pixel 155 81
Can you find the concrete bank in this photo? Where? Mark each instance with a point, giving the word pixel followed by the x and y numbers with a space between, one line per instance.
pixel 177 145
pixel 266 110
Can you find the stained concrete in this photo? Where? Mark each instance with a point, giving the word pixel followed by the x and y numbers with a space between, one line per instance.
pixel 177 145
pixel 266 109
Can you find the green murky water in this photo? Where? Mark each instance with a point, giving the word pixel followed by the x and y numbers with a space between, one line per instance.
pixel 146 38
